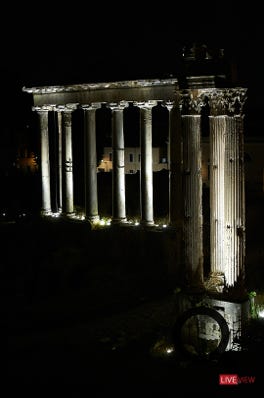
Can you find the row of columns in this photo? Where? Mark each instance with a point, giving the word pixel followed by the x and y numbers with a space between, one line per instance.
pixel 65 169
pixel 227 207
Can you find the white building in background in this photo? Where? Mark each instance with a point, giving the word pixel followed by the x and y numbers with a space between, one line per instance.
pixel 253 153
pixel 132 159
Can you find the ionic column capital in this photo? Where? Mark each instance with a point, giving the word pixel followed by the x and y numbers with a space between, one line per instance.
pixel 92 106
pixel 145 104
pixel 71 107
pixel 43 108
pixel 65 108
pixel 117 106
pixel 59 108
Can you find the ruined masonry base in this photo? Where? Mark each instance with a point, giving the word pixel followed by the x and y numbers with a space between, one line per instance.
pixel 236 315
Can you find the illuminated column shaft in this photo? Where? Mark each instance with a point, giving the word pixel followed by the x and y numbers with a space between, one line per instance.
pixel 118 172
pixel 227 190
pixel 234 202
pixel 192 181
pixel 53 153
pixel 218 125
pixel 146 173
pixel 241 225
pixel 67 180
pixel 59 124
pixel 45 162
pixel 90 159
pixel 175 166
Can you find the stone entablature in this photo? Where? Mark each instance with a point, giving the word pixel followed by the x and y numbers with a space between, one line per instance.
pixel 138 90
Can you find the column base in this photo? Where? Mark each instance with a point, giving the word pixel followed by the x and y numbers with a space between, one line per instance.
pixel 46 212
pixel 215 283
pixel 119 220
pixel 69 213
pixel 145 223
pixel 92 219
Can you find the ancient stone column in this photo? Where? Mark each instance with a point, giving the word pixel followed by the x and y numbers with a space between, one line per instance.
pixel 146 172
pixel 59 132
pixel 67 175
pixel 43 113
pixel 218 126
pixel 192 189
pixel 174 232
pixel 54 167
pixel 175 165
pixel 118 172
pixel 227 195
pixel 90 162
pixel 241 208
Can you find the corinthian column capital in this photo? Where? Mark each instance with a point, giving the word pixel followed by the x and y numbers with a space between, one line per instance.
pixel 169 104
pixel 227 101
pixel 190 102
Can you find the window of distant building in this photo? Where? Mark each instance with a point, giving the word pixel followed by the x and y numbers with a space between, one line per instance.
pixel 131 157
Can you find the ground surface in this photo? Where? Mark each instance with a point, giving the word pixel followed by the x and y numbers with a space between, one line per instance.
pixel 83 311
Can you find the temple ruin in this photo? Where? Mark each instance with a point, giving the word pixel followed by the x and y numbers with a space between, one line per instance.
pixel 225 108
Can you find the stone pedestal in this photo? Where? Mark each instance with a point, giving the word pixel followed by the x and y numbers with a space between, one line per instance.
pixel 208 317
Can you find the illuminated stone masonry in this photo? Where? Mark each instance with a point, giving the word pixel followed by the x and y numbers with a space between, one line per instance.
pixel 227 197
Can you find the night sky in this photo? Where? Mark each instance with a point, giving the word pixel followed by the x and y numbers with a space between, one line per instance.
pixel 49 44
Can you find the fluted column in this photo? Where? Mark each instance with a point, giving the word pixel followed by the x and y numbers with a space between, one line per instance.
pixel 43 113
pixel 67 175
pixel 227 202
pixel 118 172
pixel 90 160
pixel 234 204
pixel 146 171
pixel 192 188
pixel 241 225
pixel 218 132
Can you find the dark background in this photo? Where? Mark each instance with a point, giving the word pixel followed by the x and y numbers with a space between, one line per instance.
pixel 54 43
pixel 57 43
